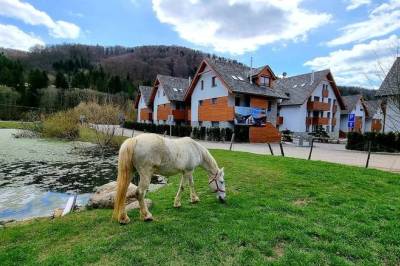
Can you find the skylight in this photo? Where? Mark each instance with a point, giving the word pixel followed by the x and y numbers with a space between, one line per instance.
pixel 295 85
pixel 240 77
pixel 234 77
pixel 303 84
pixel 175 89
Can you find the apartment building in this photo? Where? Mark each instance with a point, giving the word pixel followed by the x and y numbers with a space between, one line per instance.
pixel 167 99
pixel 355 106
pixel 389 92
pixel 225 93
pixel 143 105
pixel 313 101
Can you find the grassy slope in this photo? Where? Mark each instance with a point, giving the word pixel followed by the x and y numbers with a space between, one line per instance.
pixel 279 210
pixel 13 124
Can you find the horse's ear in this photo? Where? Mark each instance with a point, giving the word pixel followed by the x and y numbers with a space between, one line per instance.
pixel 221 170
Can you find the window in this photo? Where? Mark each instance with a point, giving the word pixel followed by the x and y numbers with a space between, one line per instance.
pixel 333 128
pixel 202 84
pixel 214 124
pixel 237 101
pixel 246 101
pixel 234 77
pixel 214 100
pixel 329 100
pixel 316 99
pixel 264 81
pixel 200 102
pixel 163 93
pixel 328 115
pixel 213 82
pixel 307 128
pixel 269 106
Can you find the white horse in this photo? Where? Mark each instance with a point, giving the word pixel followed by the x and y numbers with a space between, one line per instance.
pixel 150 154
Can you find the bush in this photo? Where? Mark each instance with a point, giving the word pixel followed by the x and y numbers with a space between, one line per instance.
pixel 380 142
pixel 201 133
pixel 287 135
pixel 63 125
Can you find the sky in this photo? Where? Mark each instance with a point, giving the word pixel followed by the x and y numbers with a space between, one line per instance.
pixel 357 39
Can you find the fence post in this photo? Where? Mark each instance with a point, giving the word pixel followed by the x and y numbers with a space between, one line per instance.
pixel 282 153
pixel 232 138
pixel 270 149
pixel 165 133
pixel 311 148
pixel 369 154
pixel 133 132
pixel 122 132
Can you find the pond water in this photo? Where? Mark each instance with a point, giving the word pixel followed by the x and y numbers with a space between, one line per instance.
pixel 39 175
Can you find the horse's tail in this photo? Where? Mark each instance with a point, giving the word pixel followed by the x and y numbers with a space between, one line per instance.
pixel 125 171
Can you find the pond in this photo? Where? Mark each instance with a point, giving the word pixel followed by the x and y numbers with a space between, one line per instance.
pixel 39 175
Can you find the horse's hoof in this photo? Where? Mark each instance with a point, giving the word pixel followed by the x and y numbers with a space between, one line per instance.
pixel 195 200
pixel 177 205
pixel 124 221
pixel 148 218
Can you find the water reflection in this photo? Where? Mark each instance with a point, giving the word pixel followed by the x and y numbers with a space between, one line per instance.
pixel 37 175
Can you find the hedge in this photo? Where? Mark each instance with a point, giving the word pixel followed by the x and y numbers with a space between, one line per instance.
pixel 380 142
pixel 201 133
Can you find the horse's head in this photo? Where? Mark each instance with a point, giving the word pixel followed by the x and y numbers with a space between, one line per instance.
pixel 217 184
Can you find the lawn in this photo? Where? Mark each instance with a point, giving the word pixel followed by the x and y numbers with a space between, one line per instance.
pixel 279 211
pixel 14 124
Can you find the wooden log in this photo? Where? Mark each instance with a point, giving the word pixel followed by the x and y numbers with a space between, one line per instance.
pixel 232 138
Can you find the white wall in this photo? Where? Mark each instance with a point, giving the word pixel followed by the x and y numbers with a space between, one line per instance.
pixel 207 93
pixel 141 106
pixel 358 111
pixel 160 98
pixel 294 118
pixel 392 122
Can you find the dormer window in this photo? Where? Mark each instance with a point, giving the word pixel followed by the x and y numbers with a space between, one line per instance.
pixel 264 81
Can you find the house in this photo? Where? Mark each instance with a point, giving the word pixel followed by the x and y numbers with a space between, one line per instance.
pixel 314 102
pixel 143 105
pixel 167 98
pixel 389 92
pixel 354 105
pixel 374 120
pixel 225 93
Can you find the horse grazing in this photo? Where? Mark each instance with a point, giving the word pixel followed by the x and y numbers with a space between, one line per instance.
pixel 150 154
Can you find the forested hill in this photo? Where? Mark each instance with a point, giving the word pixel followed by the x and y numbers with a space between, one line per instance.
pixel 140 64
pixel 351 90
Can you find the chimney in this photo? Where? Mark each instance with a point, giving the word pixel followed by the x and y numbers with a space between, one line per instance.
pixel 312 77
pixel 251 70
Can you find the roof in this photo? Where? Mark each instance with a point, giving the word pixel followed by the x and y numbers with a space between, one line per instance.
pixel 175 88
pixel 373 106
pixel 258 70
pixel 391 83
pixel 350 102
pixel 145 92
pixel 235 78
pixel 299 88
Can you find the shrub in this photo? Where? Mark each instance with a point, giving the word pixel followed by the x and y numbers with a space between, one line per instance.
pixel 241 133
pixel 63 124
pixel 380 142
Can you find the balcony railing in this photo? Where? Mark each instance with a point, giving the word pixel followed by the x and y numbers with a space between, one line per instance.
pixel 317 121
pixel 334 108
pixel 318 106
pixel 179 114
pixel 279 120
pixel 333 121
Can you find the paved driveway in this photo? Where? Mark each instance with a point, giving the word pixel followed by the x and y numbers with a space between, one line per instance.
pixel 335 153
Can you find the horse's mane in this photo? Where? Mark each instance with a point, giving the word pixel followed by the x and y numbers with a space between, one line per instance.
pixel 208 159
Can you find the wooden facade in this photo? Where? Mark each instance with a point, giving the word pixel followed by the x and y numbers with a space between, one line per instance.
pixel 265 134
pixel 216 109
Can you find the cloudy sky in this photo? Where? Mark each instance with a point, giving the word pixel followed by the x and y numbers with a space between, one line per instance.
pixel 356 39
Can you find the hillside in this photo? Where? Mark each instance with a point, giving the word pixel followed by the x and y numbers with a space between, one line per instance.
pixel 350 90
pixel 141 64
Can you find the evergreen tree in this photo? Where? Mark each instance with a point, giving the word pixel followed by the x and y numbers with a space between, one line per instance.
pixel 61 81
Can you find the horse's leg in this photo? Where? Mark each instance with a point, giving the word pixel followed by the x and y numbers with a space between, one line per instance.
pixel 145 178
pixel 177 202
pixel 193 196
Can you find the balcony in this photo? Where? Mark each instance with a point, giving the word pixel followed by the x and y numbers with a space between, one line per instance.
pixel 334 108
pixel 279 120
pixel 179 114
pixel 318 106
pixel 319 121
pixel 333 121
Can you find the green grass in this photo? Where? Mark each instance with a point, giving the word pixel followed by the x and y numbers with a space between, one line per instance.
pixel 279 211
pixel 14 124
